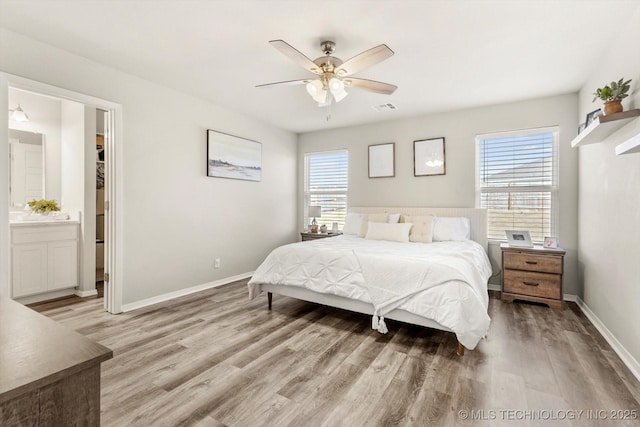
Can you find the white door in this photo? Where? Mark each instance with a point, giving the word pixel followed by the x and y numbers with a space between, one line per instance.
pixel 29 269
pixel 26 172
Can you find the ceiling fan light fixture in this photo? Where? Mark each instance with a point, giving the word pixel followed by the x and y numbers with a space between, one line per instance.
pixel 19 115
pixel 317 91
pixel 337 89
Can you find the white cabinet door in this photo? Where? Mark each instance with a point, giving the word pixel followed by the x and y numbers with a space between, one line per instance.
pixel 62 265
pixel 29 269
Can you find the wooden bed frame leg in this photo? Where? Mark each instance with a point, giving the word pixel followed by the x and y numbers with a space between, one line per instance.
pixel 269 299
pixel 460 350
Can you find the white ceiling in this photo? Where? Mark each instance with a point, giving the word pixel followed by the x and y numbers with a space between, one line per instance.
pixel 448 54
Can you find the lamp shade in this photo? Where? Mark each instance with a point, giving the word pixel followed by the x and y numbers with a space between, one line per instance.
pixel 317 91
pixel 315 211
pixel 337 89
pixel 19 115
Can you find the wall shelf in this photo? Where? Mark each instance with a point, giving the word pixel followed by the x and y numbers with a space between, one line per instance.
pixel 603 126
pixel 629 146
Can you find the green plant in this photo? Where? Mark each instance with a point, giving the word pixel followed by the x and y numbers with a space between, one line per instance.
pixel 613 92
pixel 42 206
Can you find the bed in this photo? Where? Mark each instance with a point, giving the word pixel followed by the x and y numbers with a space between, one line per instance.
pixel 440 285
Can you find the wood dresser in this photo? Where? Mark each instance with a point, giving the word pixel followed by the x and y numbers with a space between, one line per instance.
pixel 314 236
pixel 49 375
pixel 532 274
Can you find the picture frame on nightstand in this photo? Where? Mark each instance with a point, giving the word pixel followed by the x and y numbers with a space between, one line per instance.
pixel 550 243
pixel 519 238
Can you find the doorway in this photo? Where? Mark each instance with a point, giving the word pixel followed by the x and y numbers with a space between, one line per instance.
pixel 107 158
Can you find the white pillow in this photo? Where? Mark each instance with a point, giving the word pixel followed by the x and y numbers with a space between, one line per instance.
pixel 393 218
pixel 451 228
pixel 422 230
pixel 391 232
pixel 371 218
pixel 353 224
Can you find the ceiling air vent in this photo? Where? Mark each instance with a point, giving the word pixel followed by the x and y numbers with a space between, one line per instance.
pixel 384 107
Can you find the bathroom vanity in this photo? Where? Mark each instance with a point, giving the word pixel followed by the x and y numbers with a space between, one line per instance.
pixel 44 259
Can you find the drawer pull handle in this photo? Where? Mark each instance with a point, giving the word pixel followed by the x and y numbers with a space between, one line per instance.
pixel 532 262
pixel 530 283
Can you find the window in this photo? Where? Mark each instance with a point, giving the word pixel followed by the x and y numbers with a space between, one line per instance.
pixel 326 177
pixel 517 182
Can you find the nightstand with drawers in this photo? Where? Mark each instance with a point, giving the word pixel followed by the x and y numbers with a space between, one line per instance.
pixel 532 274
pixel 314 236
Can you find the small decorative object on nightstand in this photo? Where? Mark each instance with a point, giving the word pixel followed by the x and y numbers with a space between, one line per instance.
pixel 314 236
pixel 532 274
pixel 315 212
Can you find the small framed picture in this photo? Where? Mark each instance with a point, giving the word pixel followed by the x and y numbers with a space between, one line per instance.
pixel 592 116
pixel 550 242
pixel 519 238
pixel 581 127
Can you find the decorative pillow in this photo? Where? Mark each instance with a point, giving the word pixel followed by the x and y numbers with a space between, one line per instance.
pixel 386 231
pixel 422 230
pixel 451 228
pixel 353 223
pixel 393 218
pixel 371 218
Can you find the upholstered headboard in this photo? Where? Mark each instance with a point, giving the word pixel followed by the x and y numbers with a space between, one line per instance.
pixel 477 217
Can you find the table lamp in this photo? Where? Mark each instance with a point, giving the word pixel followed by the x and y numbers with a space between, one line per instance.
pixel 315 212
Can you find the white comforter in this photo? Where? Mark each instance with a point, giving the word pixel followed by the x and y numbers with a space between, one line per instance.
pixel 442 281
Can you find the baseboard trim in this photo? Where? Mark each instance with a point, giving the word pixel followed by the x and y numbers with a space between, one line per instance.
pixel 620 350
pixel 565 297
pixel 83 294
pixel 182 292
pixel 32 299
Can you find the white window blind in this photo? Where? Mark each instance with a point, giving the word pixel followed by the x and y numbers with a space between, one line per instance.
pixel 326 180
pixel 517 182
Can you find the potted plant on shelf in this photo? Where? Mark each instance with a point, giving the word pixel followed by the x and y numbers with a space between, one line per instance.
pixel 612 95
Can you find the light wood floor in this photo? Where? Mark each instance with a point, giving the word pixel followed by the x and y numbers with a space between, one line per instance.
pixel 215 358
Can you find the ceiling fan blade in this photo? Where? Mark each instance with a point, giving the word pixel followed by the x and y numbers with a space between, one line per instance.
pixel 286 83
pixel 370 85
pixel 295 55
pixel 365 59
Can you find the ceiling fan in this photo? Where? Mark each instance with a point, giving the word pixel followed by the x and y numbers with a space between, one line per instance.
pixel 333 74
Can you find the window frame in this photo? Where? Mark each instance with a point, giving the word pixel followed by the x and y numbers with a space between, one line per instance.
pixel 553 189
pixel 308 193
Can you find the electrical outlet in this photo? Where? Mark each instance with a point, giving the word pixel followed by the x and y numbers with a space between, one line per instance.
pixel 216 263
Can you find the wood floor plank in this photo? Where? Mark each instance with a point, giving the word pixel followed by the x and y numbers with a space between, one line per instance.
pixel 216 358
pixel 368 390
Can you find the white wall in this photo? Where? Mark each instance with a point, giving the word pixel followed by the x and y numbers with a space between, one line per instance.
pixel 609 203
pixel 457 187
pixel 176 219
pixel 44 118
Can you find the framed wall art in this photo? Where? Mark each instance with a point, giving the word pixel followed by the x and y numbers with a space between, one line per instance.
pixel 382 160
pixel 233 157
pixel 428 157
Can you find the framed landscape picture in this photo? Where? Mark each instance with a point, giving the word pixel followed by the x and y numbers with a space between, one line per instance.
pixel 233 157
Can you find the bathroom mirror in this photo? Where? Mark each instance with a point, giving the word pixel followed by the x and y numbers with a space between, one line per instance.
pixel 26 167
